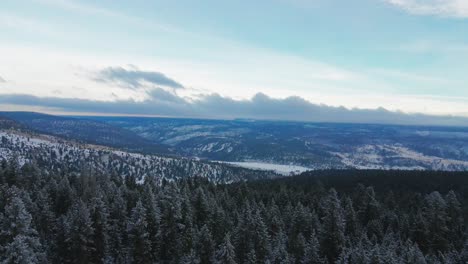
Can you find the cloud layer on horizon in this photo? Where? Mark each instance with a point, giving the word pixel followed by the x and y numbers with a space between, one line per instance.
pixel 261 106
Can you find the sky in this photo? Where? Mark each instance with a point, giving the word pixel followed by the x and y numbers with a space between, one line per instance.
pixel 275 59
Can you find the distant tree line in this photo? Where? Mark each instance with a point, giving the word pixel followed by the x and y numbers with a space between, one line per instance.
pixel 351 217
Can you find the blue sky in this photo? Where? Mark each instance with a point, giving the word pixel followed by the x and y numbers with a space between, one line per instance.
pixel 401 55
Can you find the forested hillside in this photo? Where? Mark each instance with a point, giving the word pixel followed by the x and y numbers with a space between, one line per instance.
pixel 83 130
pixel 56 155
pixel 313 145
pixel 99 218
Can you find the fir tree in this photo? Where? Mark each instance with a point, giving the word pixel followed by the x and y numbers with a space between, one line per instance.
pixel 225 252
pixel 19 239
pixel 140 245
pixel 79 238
pixel 332 233
pixel 205 245
pixel 312 252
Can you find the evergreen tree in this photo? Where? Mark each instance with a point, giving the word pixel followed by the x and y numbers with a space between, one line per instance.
pixel 279 253
pixel 312 252
pixel 414 254
pixel 464 253
pixel 352 223
pixel 225 252
pixel 153 217
pixel 205 245
pixel 19 241
pixel 435 214
pixel 80 234
pixel 99 218
pixel 190 258
pixel 455 219
pixel 333 229
pixel 140 245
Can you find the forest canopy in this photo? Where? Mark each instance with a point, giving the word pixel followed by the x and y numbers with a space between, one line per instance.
pixel 319 217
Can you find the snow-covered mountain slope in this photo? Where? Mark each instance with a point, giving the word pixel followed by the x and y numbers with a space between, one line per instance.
pixel 310 145
pixel 84 130
pixel 271 144
pixel 397 157
pixel 57 155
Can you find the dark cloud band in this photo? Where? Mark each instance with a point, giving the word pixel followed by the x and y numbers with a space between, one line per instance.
pixel 215 106
pixel 134 78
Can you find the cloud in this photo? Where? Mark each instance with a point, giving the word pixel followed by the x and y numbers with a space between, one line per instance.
pixel 260 106
pixel 2 80
pixel 446 8
pixel 93 10
pixel 134 78
pixel 30 25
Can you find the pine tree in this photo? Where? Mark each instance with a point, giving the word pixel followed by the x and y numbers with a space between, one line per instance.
pixel 80 234
pixel 225 253
pixel 117 224
pixel 259 234
pixel 64 196
pixel 190 258
pixel 153 217
pixel 99 218
pixel 171 224
pixel 312 252
pixel 455 219
pixel 45 221
pixel 435 213
pixel 352 223
pixel 279 253
pixel 205 245
pixel 332 233
pixel 21 242
pixel 140 245
pixel 464 253
pixel 298 247
pixel 19 251
pixel 252 257
pixel 414 254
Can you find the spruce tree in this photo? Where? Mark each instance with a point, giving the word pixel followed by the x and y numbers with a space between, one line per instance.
pixel 225 253
pixel 333 229
pixel 79 240
pixel 312 251
pixel 140 244
pixel 205 245
pixel 20 241
pixel 99 218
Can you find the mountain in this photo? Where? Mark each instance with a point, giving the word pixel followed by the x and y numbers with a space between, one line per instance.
pixel 6 123
pixel 312 145
pixel 286 147
pixel 56 155
pixel 88 131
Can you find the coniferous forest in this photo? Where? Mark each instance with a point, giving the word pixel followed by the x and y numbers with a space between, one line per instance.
pixel 318 217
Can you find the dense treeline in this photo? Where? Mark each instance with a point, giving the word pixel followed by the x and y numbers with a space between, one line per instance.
pixel 323 217
pixel 56 156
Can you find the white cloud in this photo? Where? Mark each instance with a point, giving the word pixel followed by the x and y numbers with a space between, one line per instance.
pixel 446 8
pixel 92 10
pixel 42 72
pixel 29 25
pixel 427 46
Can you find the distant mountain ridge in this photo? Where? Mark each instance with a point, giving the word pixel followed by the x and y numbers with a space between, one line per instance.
pixel 314 146
pixel 88 131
